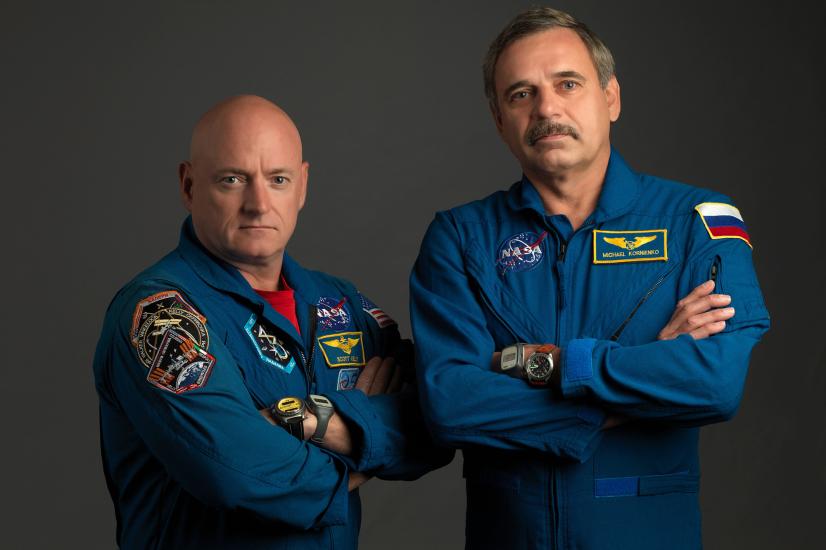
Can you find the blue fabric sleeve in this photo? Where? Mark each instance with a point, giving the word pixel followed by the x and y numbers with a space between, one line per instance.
pixel 214 442
pixel 681 380
pixel 465 403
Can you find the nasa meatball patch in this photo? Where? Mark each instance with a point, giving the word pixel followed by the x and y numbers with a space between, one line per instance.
pixel 332 314
pixel 180 364
pixel 520 252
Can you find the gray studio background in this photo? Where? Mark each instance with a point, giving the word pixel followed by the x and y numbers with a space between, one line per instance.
pixel 98 102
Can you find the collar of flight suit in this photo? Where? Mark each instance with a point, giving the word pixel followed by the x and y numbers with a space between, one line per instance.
pixel 620 190
pixel 226 278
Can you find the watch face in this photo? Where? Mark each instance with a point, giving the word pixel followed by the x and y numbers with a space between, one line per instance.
pixel 289 405
pixel 539 367
pixel 320 401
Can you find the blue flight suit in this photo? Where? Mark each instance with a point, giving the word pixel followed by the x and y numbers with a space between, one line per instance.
pixel 188 355
pixel 540 471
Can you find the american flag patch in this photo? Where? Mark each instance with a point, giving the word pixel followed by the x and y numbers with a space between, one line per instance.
pixel 723 221
pixel 383 319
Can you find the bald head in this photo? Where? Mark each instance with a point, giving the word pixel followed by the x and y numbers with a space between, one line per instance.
pixel 242 118
pixel 244 184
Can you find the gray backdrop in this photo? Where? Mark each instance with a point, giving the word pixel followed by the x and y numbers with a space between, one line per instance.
pixel 98 102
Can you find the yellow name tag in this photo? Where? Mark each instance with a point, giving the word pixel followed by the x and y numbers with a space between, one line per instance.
pixel 613 247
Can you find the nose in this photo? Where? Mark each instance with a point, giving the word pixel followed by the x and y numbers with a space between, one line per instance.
pixel 256 197
pixel 547 104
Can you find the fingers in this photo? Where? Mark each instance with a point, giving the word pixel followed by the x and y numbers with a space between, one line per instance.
pixel 356 479
pixel 377 376
pixel 710 322
pixel 383 376
pixel 365 379
pixel 698 314
pixel 699 291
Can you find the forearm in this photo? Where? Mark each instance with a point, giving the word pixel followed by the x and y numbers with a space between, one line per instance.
pixel 683 380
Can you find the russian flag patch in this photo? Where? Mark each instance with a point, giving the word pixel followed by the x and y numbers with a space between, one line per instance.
pixel 723 221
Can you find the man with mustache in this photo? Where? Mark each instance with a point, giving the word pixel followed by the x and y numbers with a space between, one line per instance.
pixel 239 404
pixel 584 433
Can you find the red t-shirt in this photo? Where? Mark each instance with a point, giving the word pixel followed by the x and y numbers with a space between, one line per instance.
pixel 282 301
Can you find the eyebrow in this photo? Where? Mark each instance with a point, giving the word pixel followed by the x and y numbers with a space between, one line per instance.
pixel 559 74
pixel 241 171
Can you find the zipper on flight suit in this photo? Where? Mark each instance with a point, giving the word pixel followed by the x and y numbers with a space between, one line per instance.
pixel 618 332
pixel 309 368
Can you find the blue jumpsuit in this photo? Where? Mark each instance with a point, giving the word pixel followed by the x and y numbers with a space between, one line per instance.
pixel 540 472
pixel 188 354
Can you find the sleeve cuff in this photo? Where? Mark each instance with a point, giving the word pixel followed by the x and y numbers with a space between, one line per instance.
pixel 577 367
pixel 365 426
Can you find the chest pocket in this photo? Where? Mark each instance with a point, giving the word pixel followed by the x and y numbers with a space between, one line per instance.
pixel 508 317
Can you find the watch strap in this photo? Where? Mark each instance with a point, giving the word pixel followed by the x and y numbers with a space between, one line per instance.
pixel 323 414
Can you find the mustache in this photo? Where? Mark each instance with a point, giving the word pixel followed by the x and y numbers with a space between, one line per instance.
pixel 545 128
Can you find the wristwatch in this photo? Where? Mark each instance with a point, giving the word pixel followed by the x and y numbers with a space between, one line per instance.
pixel 540 366
pixel 323 409
pixel 289 412
pixel 512 357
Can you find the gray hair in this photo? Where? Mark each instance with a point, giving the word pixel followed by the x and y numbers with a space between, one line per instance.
pixel 537 20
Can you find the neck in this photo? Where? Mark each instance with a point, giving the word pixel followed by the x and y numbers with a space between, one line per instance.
pixel 262 277
pixel 572 192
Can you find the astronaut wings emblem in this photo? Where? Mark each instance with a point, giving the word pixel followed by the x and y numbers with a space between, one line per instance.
pixel 344 344
pixel 344 349
pixel 613 247
pixel 628 244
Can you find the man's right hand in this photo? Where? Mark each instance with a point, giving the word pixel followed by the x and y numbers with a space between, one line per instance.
pixel 699 314
pixel 380 375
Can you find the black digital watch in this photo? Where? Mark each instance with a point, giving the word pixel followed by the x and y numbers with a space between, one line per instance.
pixel 323 409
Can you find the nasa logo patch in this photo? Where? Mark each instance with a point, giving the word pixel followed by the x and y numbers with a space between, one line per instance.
pixel 347 379
pixel 520 252
pixel 154 326
pixel 332 314
pixel 180 364
pixel 270 348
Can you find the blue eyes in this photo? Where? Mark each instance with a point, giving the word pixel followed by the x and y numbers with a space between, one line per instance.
pixel 236 180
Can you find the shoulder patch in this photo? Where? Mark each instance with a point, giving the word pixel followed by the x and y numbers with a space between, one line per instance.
pixel 269 347
pixel 371 309
pixel 180 364
pixel 332 313
pixel 156 302
pixel 723 221
pixel 156 314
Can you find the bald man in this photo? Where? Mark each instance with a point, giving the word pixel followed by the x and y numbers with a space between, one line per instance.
pixel 243 399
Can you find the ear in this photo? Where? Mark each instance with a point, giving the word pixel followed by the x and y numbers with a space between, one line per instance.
pixel 612 98
pixel 305 175
pixel 185 184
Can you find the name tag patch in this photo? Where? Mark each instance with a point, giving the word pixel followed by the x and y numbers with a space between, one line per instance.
pixel 613 247
pixel 343 349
